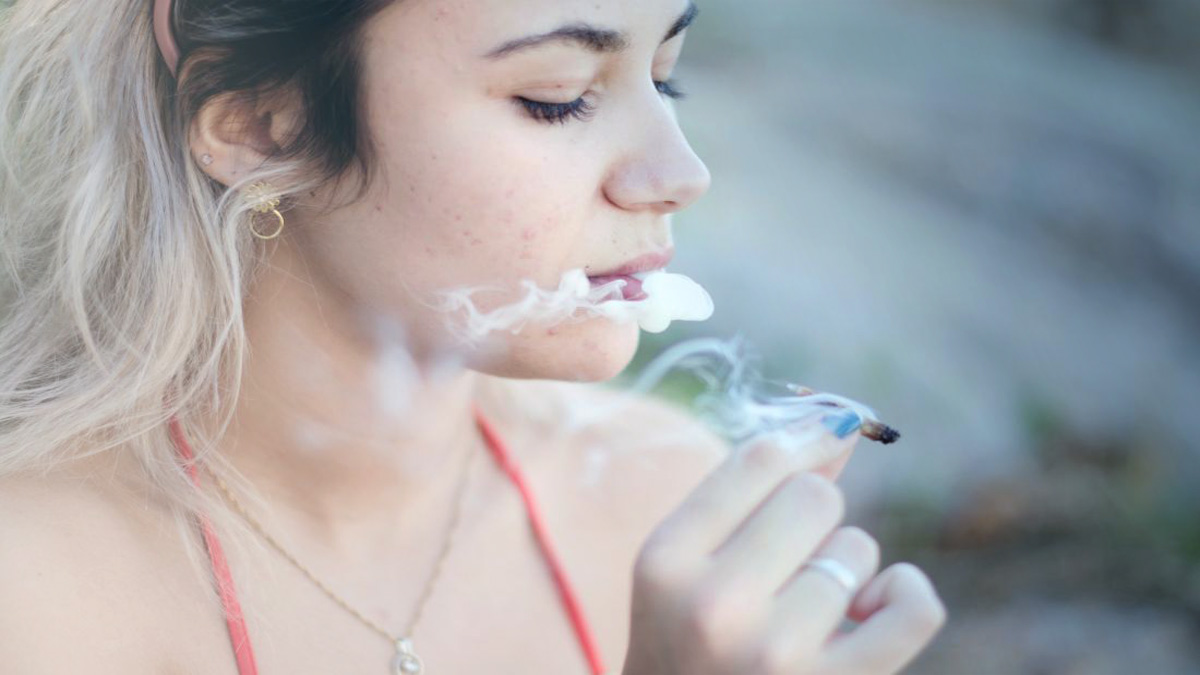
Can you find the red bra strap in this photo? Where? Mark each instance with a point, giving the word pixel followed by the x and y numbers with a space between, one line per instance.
pixel 233 610
pixel 578 620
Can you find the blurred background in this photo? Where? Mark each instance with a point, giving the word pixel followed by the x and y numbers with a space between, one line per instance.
pixel 981 218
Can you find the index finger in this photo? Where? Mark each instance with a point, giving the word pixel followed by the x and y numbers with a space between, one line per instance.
pixel 730 493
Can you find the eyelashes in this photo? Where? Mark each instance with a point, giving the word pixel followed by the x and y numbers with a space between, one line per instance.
pixel 580 109
pixel 558 113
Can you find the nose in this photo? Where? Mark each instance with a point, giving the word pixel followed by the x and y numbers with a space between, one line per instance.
pixel 659 171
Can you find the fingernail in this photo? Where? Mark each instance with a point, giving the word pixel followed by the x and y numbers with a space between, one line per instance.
pixel 842 424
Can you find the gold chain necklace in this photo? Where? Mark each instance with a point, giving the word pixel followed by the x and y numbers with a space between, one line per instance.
pixel 405 661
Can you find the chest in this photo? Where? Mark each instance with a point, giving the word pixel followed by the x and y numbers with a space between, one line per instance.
pixel 493 607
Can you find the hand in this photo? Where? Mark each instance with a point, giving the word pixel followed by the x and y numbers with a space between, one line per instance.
pixel 720 586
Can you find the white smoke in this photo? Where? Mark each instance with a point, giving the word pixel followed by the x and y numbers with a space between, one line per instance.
pixel 670 297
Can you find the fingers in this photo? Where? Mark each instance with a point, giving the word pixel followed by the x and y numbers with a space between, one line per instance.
pixel 768 547
pixel 814 602
pixel 833 470
pixel 727 496
pixel 900 613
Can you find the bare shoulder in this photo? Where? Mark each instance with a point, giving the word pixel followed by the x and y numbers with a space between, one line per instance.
pixel 68 590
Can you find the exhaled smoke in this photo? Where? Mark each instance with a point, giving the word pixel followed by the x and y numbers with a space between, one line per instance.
pixel 670 297
pixel 738 402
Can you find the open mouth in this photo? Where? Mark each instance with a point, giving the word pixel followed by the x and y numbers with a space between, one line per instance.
pixel 632 290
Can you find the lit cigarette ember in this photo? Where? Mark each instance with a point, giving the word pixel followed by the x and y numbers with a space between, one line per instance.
pixel 872 429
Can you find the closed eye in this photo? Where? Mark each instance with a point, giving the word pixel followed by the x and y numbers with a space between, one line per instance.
pixel 581 109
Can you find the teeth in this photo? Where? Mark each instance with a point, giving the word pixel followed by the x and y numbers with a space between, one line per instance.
pixel 641 276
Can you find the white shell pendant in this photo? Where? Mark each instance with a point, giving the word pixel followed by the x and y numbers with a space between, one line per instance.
pixel 406 661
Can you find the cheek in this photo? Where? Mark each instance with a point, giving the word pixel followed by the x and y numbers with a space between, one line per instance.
pixel 495 211
pixel 473 195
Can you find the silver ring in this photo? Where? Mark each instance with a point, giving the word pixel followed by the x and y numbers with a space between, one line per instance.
pixel 834 570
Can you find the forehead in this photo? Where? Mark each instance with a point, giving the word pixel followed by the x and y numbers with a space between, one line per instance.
pixel 475 27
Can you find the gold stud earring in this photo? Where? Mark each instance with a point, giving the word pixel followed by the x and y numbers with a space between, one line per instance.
pixel 262 203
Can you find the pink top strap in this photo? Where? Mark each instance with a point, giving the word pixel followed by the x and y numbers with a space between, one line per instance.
pixel 242 651
pixel 233 612
pixel 582 630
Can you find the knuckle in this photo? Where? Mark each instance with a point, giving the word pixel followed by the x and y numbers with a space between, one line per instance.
pixel 908 574
pixel 927 619
pixel 655 566
pixel 713 618
pixel 775 658
pixel 767 456
pixel 862 544
pixel 931 614
pixel 927 614
pixel 783 656
pixel 820 495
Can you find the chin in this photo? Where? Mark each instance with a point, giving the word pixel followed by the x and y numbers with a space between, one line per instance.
pixel 596 350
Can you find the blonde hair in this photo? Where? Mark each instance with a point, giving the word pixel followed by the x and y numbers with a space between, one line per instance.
pixel 124 265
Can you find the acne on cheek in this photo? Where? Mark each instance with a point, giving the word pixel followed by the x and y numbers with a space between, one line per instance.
pixel 529 235
pixel 470 237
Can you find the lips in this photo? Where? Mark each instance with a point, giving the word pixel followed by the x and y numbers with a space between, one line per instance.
pixel 643 263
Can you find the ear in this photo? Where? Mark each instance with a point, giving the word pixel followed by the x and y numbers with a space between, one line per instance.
pixel 240 135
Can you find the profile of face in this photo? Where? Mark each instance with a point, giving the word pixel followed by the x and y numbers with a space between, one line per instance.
pixel 517 139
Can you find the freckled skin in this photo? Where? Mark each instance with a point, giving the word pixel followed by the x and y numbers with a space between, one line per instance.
pixel 464 173
pixel 537 199
pixel 469 190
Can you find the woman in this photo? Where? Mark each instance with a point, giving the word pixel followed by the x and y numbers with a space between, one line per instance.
pixel 233 412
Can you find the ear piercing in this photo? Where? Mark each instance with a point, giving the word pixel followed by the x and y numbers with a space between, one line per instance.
pixel 262 201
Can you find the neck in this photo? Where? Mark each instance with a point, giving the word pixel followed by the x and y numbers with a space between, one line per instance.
pixel 357 448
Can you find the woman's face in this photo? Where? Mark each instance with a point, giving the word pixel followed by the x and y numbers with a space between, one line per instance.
pixel 503 157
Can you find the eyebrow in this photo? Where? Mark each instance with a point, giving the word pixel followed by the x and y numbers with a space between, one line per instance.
pixel 588 36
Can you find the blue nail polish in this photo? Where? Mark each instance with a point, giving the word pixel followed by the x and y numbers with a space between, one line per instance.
pixel 842 424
